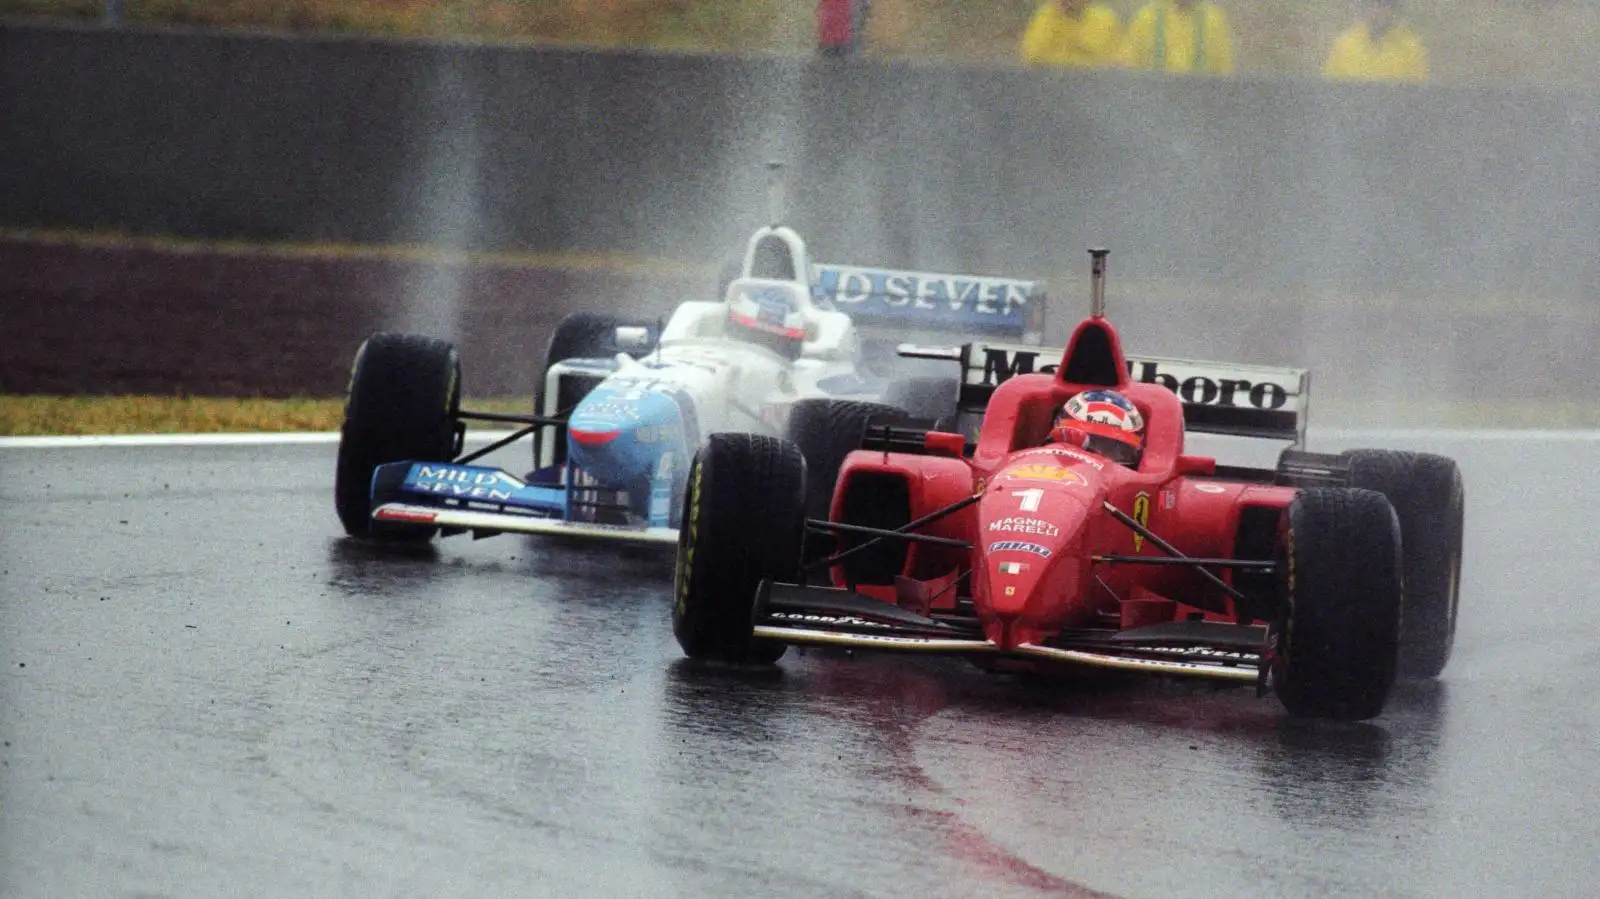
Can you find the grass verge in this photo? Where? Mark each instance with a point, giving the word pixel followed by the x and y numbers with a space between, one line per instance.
pixel 572 261
pixel 34 416
pixel 1157 292
pixel 40 416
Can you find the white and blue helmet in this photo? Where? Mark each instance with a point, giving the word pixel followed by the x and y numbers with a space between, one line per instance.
pixel 769 313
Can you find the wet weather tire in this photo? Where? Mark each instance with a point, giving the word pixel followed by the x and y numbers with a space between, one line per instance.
pixel 826 431
pixel 405 393
pixel 743 521
pixel 1336 638
pixel 1428 496
pixel 580 335
pixel 927 399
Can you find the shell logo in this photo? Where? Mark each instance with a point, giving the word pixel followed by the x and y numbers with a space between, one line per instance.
pixel 1046 473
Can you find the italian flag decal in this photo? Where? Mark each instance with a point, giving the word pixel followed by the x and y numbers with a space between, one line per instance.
pixel 1013 567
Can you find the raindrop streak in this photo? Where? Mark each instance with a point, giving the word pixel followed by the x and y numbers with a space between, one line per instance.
pixel 444 205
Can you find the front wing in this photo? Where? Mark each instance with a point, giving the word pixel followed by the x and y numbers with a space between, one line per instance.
pixel 486 501
pixel 826 616
pixel 485 523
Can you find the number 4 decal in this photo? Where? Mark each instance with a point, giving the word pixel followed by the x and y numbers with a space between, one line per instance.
pixel 1030 499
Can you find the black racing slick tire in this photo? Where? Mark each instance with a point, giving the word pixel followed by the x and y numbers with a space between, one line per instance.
pixel 581 335
pixel 403 404
pixel 1334 643
pixel 927 399
pixel 743 520
pixel 826 431
pixel 1428 496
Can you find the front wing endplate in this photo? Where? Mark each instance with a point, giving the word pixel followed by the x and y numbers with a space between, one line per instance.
pixel 1180 667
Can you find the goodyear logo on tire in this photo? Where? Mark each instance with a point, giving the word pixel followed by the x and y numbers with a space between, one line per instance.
pixel 691 530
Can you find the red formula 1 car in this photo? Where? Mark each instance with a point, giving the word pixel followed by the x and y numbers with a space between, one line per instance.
pixel 1322 579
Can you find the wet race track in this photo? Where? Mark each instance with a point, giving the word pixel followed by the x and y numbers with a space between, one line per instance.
pixel 205 691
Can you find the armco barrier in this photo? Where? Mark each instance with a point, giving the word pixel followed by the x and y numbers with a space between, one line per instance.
pixel 136 320
pixel 1261 182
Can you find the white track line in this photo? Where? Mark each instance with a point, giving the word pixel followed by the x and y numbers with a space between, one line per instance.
pixel 1547 435
pixel 252 439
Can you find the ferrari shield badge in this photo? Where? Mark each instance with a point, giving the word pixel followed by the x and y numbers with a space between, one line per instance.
pixel 1141 514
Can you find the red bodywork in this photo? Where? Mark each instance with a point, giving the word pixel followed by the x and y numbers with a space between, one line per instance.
pixel 1040 526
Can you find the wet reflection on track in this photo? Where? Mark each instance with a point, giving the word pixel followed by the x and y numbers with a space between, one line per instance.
pixel 220 686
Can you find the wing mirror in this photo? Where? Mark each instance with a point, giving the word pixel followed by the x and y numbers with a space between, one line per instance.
pixel 1197 465
pixel 943 443
pixel 633 338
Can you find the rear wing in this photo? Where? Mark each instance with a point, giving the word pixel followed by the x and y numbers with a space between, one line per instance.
pixel 1218 397
pixel 924 302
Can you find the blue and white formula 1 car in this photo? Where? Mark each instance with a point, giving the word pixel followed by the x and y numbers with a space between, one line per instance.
pixel 792 349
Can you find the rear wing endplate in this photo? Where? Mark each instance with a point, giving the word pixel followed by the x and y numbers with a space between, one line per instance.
pixel 1218 397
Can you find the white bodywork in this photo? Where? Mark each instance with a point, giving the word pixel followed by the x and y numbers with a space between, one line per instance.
pixel 735 385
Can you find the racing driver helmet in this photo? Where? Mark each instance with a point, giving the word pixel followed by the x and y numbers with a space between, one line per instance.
pixel 767 315
pixel 1103 422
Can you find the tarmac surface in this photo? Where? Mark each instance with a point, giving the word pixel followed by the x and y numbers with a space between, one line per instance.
pixel 205 691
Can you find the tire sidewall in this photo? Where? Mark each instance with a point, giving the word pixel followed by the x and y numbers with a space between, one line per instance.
pixel 402 404
pixel 1334 645
pixel 726 545
pixel 1428 495
pixel 826 431
pixel 926 398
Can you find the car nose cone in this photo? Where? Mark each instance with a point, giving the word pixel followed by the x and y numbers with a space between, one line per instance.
pixel 618 438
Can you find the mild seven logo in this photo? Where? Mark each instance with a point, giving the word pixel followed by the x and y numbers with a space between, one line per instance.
pixel 462 482
pixel 867 290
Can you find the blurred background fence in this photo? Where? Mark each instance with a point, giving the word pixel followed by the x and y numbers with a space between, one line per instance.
pixel 1286 182
pixel 1538 41
pixel 1409 241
